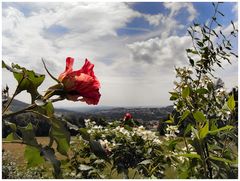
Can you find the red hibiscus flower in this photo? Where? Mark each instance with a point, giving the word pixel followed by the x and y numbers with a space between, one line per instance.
pixel 82 84
pixel 127 116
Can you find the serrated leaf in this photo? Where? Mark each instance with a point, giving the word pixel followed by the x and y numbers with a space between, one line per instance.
pixel 61 135
pixel 185 92
pixel 204 131
pixel 33 157
pixel 28 80
pixel 231 103
pixel 199 116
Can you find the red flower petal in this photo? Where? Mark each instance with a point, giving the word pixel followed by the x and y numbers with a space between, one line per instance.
pixel 68 69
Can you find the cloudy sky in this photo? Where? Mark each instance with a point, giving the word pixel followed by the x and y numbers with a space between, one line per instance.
pixel 134 46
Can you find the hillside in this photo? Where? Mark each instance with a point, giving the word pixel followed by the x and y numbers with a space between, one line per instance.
pixel 108 113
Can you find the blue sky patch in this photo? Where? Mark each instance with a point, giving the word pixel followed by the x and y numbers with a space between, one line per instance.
pixel 57 30
pixel 150 8
pixel 136 26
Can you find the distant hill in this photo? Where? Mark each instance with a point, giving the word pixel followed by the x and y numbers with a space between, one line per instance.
pixel 17 105
pixel 107 112
pixel 146 115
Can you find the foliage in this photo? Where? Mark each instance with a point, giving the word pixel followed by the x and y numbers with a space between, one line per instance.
pixel 209 109
pixel 35 153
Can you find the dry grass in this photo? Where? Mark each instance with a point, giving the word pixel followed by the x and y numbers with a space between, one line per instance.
pixel 17 150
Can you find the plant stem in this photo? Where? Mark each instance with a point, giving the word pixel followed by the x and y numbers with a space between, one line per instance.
pixel 49 72
pixel 15 93
pixel 19 112
pixel 207 161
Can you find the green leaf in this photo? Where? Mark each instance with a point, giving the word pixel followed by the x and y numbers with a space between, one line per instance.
pixel 202 91
pixel 46 109
pixel 188 129
pixel 222 160
pixel 186 92
pixel 61 135
pixel 184 115
pixel 192 51
pixel 195 132
pixel 225 128
pixel 28 135
pixel 169 121
pixel 199 116
pixel 231 103
pixel 49 155
pixel 85 135
pixel 12 136
pixel 174 96
pixel 190 155
pixel 33 157
pixel 204 131
pixel 28 80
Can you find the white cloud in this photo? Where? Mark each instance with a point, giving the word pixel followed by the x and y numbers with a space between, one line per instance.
pixel 154 19
pixel 162 52
pixel 176 7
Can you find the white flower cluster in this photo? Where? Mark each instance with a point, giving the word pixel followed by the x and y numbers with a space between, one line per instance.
pixel 89 123
pixel 105 144
pixel 146 135
pixel 205 80
pixel 171 132
pixel 185 71
pixel 122 130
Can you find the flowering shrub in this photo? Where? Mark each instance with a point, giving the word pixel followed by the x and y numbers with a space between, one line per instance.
pixel 203 108
pixel 118 147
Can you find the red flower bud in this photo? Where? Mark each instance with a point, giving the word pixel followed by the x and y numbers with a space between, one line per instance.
pixel 127 116
pixel 81 84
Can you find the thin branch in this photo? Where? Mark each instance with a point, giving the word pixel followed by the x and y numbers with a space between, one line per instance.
pixel 19 112
pixel 15 93
pixel 49 72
